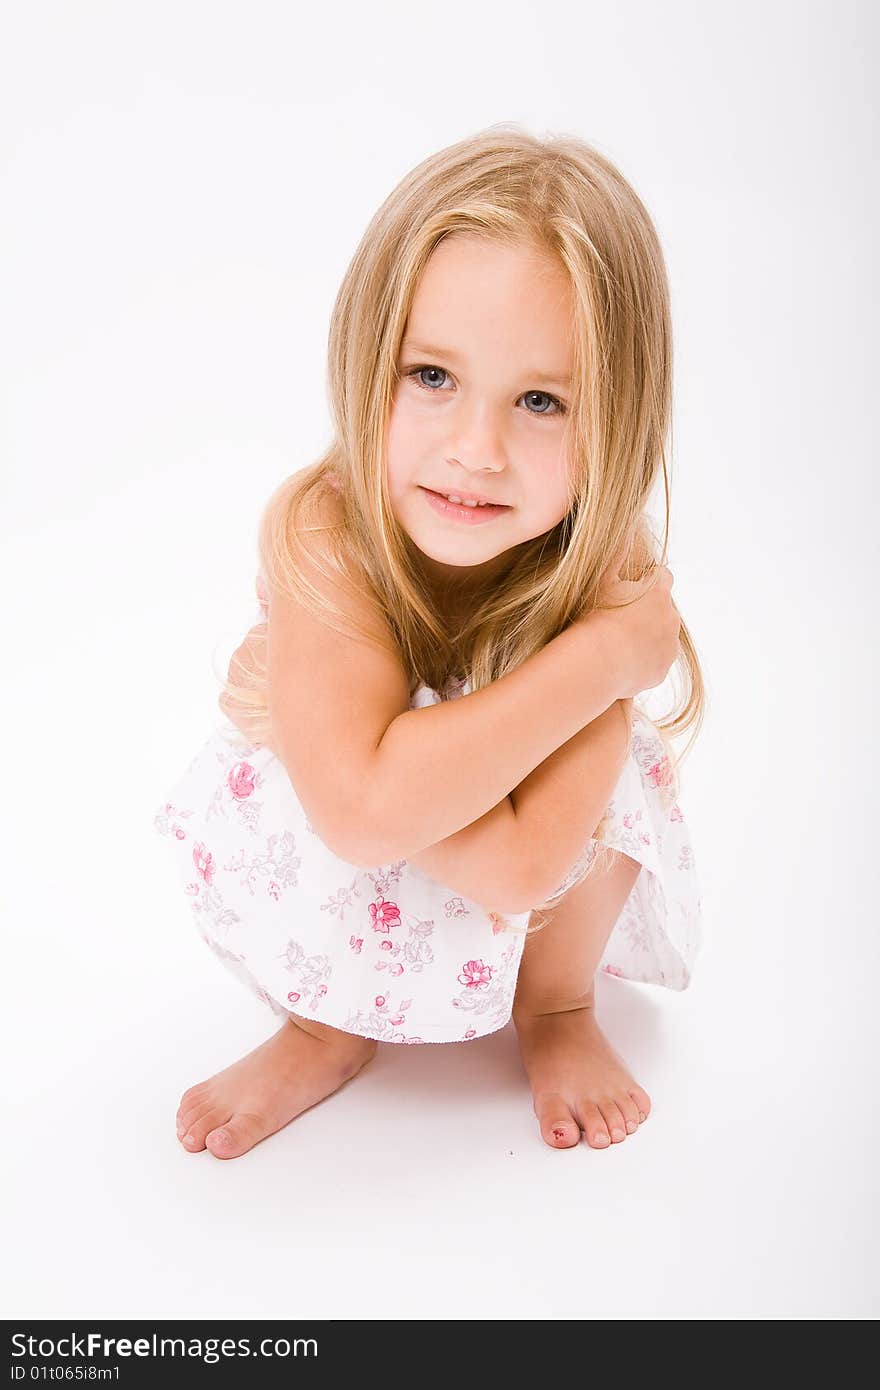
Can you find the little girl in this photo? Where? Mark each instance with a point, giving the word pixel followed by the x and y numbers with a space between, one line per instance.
pixel 430 750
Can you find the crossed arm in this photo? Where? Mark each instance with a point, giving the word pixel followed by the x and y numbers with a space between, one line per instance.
pixel 519 852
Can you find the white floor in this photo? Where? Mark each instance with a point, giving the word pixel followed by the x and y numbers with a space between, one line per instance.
pixel 422 1188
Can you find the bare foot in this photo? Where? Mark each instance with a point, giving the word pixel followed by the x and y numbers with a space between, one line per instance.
pixel 267 1088
pixel 578 1081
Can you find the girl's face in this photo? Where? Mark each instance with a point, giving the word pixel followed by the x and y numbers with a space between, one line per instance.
pixel 481 405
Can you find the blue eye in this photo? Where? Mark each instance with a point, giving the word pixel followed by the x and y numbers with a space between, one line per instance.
pixel 415 373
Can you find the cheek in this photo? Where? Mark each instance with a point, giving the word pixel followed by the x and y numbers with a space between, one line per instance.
pixel 550 460
pixel 400 434
pixel 393 445
pixel 550 497
pixel 409 442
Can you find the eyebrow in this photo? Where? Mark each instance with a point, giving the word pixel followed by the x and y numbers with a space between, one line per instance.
pixel 424 349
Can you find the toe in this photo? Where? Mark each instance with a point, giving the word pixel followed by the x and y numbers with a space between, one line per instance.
pixel 188 1122
pixel 193 1099
pixel 198 1129
pixel 630 1112
pixel 192 1143
pixel 193 1102
pixel 236 1135
pixel 559 1128
pixel 611 1114
pixel 642 1100
pixel 594 1126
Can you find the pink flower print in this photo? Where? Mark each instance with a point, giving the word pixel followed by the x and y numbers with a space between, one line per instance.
pixel 613 970
pixel 380 1001
pixel 179 834
pixel 385 946
pixel 471 1033
pixel 659 772
pixel 498 923
pixel 395 969
pixel 398 1019
pixel 204 862
pixel 356 942
pixel 384 915
pixel 241 780
pixel 475 974
pixel 274 890
pixel 675 813
pixel 293 997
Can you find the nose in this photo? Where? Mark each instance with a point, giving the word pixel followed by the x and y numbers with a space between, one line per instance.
pixel 476 444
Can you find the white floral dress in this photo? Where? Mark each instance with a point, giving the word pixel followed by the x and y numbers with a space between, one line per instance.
pixel 388 952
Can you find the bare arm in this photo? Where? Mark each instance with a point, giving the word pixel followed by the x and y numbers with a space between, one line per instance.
pixel 519 852
pixel 560 804
pixel 480 861
pixel 379 786
pixel 437 770
pixel 381 781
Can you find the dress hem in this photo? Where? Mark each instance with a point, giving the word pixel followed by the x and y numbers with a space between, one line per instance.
pixel 394 1041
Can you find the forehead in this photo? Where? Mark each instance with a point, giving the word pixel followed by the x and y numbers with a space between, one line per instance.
pixel 479 298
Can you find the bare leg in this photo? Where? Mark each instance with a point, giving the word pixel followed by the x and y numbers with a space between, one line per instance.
pixel 578 1081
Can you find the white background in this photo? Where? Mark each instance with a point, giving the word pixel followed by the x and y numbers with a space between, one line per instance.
pixel 183 186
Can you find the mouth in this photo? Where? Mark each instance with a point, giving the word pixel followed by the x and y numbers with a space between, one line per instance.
pixel 473 513
pixel 468 499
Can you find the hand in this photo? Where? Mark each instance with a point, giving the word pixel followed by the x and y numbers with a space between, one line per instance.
pixel 641 624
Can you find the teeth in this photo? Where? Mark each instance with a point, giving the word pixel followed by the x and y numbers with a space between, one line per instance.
pixel 453 498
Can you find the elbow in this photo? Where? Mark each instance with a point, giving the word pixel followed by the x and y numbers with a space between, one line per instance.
pixel 515 902
pixel 530 889
pixel 362 844
pixel 356 846
pixel 515 893
pixel 352 833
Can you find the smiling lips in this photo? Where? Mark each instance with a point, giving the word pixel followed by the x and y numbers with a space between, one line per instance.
pixel 473 514
pixel 467 498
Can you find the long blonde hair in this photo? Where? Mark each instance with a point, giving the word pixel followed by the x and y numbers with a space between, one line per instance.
pixel 564 197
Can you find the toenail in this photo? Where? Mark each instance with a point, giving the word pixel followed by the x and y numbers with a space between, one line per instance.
pixel 602 1139
pixel 617 1134
pixel 642 1115
pixel 631 1126
pixel 222 1136
pixel 190 1139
